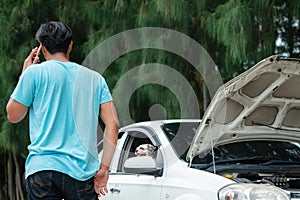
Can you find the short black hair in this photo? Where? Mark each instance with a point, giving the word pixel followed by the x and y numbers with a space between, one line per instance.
pixel 55 36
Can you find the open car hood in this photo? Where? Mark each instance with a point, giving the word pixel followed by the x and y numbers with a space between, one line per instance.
pixel 262 103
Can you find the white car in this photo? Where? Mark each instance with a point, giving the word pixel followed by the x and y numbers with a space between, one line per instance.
pixel 247 146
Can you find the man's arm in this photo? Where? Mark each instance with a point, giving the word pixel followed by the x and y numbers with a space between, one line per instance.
pixel 15 111
pixel 109 117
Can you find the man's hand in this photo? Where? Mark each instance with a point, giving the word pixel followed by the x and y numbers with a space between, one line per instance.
pixel 100 182
pixel 32 58
pixel 109 116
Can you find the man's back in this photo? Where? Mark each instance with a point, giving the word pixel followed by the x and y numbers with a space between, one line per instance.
pixel 65 100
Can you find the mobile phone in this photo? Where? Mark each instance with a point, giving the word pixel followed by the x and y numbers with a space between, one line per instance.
pixel 37 52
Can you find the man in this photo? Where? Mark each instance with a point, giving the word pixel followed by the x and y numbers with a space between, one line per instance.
pixel 64 100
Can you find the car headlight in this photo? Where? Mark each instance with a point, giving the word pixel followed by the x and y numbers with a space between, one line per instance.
pixel 242 191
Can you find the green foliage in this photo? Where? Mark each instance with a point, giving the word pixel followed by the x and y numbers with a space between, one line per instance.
pixel 236 33
pixel 229 25
pixel 14 138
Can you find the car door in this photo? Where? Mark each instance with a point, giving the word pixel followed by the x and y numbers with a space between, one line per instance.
pixel 133 186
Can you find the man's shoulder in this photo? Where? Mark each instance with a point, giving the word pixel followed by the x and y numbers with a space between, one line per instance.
pixel 86 70
pixel 33 68
pixel 86 75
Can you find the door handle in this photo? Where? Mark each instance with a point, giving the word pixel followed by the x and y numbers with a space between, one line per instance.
pixel 114 190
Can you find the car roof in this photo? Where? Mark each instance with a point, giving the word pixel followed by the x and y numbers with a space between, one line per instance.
pixel 159 123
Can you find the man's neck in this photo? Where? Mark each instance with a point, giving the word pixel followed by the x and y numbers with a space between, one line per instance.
pixel 62 57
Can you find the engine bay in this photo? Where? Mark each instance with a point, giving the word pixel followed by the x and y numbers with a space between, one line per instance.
pixel 287 181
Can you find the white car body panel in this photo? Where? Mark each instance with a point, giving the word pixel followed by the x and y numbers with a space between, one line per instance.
pixel 182 181
pixel 134 187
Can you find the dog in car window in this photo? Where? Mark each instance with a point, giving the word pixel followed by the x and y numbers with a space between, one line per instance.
pixel 146 150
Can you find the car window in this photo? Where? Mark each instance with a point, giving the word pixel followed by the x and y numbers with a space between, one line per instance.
pixel 180 135
pixel 138 140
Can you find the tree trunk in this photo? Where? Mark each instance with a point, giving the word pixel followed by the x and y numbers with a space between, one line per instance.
pixel 10 175
pixel 3 189
pixel 19 190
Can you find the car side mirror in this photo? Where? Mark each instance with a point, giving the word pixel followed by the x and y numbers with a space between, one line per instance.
pixel 141 165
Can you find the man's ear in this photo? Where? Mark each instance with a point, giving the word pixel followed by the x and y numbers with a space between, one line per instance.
pixel 43 49
pixel 70 47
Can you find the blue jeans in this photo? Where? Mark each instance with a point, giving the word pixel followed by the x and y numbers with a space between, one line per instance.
pixel 52 185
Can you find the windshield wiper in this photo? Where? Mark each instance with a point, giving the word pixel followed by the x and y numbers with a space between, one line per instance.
pixel 244 160
pixel 281 162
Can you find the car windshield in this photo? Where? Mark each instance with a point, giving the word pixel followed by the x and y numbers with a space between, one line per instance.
pixel 253 152
pixel 180 136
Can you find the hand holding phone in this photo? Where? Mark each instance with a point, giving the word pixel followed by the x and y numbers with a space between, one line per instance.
pixel 33 57
pixel 36 55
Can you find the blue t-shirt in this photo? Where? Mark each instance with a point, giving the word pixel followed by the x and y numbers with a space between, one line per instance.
pixel 63 100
